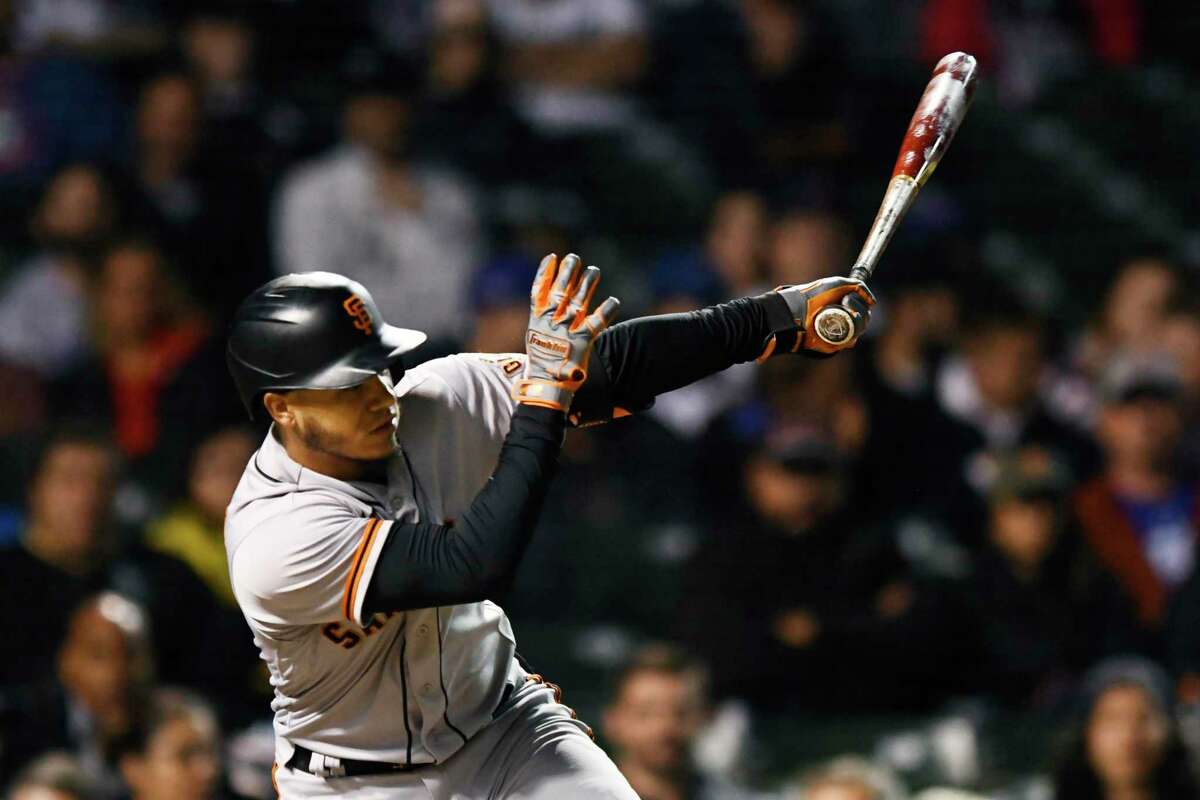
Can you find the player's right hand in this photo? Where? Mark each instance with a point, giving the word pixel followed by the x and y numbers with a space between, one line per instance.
pixel 561 332
pixel 806 301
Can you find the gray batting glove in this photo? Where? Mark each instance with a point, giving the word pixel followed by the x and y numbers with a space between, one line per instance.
pixel 561 332
pixel 805 302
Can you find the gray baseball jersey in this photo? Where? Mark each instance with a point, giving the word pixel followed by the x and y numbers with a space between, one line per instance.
pixel 410 687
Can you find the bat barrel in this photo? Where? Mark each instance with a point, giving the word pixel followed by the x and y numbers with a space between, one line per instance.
pixel 940 111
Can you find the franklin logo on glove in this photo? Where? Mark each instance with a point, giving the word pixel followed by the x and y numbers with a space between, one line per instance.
pixel 553 347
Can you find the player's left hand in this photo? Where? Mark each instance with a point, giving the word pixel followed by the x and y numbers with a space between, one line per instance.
pixel 806 301
pixel 561 332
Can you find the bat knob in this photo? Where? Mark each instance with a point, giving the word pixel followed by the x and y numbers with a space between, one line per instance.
pixel 834 325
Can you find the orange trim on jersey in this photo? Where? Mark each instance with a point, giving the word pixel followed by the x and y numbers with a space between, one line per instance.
pixel 274 782
pixel 360 558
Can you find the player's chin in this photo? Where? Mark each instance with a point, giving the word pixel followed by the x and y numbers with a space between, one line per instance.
pixel 376 444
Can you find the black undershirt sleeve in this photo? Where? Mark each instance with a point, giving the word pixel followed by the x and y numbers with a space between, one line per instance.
pixel 424 565
pixel 635 361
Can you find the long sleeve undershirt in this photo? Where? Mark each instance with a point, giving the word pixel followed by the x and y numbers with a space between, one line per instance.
pixel 424 565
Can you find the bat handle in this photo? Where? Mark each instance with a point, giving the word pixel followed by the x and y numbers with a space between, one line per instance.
pixel 834 324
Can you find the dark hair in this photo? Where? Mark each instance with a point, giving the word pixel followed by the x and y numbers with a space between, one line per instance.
pixel 661 657
pixel 162 707
pixel 1076 779
pixel 73 433
pixel 999 309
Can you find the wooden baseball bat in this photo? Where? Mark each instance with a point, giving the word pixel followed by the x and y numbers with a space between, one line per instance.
pixel 939 113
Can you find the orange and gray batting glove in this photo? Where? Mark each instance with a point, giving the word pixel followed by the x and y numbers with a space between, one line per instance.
pixel 805 302
pixel 561 332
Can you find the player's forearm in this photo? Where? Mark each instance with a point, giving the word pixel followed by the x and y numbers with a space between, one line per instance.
pixel 426 565
pixel 637 360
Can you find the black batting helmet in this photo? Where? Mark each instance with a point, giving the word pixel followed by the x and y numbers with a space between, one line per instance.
pixel 315 330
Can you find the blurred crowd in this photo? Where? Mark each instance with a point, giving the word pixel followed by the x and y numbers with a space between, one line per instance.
pixel 979 526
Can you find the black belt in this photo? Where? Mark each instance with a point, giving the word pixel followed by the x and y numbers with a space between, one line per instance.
pixel 303 759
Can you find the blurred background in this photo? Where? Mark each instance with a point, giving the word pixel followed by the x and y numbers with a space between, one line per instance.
pixel 962 555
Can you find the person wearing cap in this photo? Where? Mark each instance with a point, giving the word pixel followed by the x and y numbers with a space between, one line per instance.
pixel 500 299
pixel 794 605
pixel 1125 744
pixel 1036 609
pixel 1141 515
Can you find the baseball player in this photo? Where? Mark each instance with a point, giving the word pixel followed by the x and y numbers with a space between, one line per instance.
pixel 386 507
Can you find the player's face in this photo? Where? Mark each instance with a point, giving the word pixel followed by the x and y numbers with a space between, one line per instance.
pixel 358 424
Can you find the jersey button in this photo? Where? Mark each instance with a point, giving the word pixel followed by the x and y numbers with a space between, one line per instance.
pixel 427 688
pixel 422 629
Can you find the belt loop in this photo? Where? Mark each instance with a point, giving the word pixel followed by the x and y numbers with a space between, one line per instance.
pixel 326 766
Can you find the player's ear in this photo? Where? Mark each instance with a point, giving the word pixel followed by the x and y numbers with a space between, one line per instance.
pixel 277 406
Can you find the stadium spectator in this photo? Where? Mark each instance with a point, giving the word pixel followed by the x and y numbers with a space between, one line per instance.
pixel 189 195
pixel 573 62
pixel 658 706
pixel 1131 319
pixel 193 531
pixel 246 129
pixel 809 600
pixel 104 668
pixel 500 298
pixel 792 49
pixel 55 776
pixel 124 28
pixel 151 369
pixel 43 309
pixel 993 386
pixel 57 109
pixel 464 119
pixel 173 751
pixel 1140 515
pixel 1038 610
pixel 1181 342
pixel 680 283
pixel 619 575
pixel 1125 743
pixel 895 372
pixel 408 231
pixel 805 244
pixel 920 324
pixel 71 548
pixel 67 527
pixel 847 778
pixel 733 243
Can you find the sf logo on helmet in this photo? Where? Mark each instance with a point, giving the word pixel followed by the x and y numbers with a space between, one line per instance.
pixel 355 308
